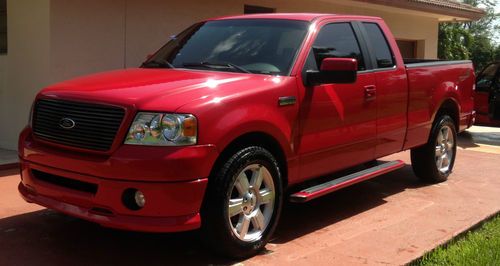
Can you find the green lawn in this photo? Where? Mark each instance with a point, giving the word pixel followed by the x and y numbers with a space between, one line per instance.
pixel 480 247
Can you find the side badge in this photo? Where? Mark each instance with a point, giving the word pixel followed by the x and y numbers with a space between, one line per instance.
pixel 287 100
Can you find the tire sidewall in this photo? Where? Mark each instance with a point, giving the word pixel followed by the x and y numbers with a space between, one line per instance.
pixel 444 120
pixel 226 177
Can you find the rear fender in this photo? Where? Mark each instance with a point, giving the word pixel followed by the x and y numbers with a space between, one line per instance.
pixel 444 95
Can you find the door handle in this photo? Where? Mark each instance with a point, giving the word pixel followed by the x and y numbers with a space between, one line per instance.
pixel 370 92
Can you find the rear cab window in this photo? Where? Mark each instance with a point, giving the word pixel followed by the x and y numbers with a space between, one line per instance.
pixel 378 45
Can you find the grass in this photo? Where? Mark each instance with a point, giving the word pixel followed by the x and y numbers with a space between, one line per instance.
pixel 478 247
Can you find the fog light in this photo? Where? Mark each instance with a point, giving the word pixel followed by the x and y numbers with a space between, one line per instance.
pixel 140 200
pixel 133 199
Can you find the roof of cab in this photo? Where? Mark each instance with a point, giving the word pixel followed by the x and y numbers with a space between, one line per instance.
pixel 293 16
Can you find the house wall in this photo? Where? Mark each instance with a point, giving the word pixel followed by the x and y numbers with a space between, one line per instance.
pixel 86 36
pixel 26 65
pixel 3 76
pixel 54 40
pixel 144 36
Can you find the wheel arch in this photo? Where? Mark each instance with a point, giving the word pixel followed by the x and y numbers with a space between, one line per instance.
pixel 255 138
pixel 450 107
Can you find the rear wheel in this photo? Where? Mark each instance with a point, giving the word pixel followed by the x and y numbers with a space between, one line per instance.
pixel 434 161
pixel 243 203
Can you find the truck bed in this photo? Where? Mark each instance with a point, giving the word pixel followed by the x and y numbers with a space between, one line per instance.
pixel 418 62
pixel 429 82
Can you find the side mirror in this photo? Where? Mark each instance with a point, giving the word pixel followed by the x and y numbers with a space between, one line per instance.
pixel 334 70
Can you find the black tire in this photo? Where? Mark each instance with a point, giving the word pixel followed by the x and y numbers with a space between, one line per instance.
pixel 423 158
pixel 217 228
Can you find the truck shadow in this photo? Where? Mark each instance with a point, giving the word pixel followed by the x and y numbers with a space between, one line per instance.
pixel 472 139
pixel 9 172
pixel 49 238
pixel 301 219
pixel 466 140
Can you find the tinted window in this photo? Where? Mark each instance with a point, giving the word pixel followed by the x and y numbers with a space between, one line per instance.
pixel 379 45
pixel 486 78
pixel 337 40
pixel 266 46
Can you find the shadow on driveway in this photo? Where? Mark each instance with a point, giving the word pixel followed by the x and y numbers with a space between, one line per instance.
pixel 486 139
pixel 48 238
pixel 9 172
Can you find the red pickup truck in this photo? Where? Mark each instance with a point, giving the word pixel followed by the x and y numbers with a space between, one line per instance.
pixel 234 116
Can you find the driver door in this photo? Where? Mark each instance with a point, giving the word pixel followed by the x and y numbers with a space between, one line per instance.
pixel 337 121
pixel 495 97
pixel 485 94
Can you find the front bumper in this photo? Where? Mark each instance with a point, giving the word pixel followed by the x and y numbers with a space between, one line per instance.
pixel 170 207
pixel 173 200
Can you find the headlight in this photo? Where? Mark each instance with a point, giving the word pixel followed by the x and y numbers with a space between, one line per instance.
pixel 163 129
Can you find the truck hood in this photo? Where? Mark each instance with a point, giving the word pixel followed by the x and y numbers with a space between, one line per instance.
pixel 157 89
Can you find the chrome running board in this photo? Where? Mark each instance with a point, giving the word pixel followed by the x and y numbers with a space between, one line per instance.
pixel 345 181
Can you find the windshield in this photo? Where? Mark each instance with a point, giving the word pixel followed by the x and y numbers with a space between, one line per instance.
pixel 263 46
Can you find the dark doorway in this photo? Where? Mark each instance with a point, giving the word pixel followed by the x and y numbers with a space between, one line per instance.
pixel 3 26
pixel 407 48
pixel 249 9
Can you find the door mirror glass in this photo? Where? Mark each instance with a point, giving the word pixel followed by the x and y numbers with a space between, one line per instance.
pixel 334 70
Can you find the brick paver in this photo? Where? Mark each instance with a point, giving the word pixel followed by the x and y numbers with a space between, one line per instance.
pixel 391 219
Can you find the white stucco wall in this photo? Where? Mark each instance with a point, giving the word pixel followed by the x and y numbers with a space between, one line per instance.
pixel 86 36
pixel 3 73
pixel 3 76
pixel 148 29
pixel 27 65
pixel 54 40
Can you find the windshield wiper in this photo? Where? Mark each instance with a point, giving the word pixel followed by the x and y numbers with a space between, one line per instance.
pixel 217 65
pixel 158 63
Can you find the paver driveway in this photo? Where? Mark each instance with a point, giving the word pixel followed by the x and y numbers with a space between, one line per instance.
pixel 391 219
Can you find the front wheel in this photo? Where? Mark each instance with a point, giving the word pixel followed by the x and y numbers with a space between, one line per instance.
pixel 434 161
pixel 243 203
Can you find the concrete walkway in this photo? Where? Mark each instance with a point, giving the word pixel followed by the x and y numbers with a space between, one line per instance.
pixel 389 220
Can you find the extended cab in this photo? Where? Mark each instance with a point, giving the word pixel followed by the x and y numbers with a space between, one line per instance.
pixel 234 116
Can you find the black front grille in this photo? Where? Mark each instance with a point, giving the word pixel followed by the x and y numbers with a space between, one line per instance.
pixel 65 182
pixel 82 125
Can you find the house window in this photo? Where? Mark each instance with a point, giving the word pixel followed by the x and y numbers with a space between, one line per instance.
pixel 407 48
pixel 3 26
pixel 249 9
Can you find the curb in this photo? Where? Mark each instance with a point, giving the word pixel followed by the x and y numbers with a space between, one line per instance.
pixel 457 237
pixel 9 166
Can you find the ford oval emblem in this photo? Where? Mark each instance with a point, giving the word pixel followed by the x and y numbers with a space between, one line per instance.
pixel 67 123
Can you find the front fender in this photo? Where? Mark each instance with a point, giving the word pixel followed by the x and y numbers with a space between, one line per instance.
pixel 224 118
pixel 276 127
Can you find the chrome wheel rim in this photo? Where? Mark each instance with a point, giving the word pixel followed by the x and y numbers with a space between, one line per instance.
pixel 444 149
pixel 251 203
